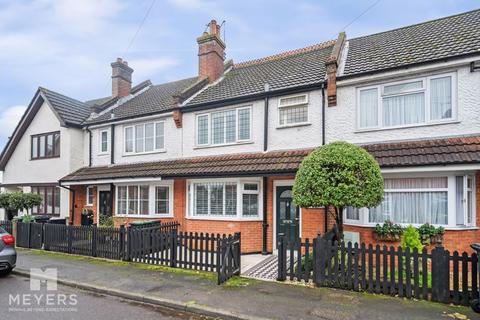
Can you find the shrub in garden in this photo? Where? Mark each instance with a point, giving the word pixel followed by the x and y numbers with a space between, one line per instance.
pixel 430 234
pixel 105 221
pixel 411 239
pixel 339 175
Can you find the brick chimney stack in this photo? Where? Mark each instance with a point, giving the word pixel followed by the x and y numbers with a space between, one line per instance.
pixel 211 53
pixel 121 78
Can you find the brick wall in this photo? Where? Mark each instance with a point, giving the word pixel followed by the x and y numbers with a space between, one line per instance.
pixel 81 203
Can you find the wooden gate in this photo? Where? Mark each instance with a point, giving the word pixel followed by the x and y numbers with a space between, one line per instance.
pixel 228 257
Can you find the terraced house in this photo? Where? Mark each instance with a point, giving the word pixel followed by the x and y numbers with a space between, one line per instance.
pixel 218 152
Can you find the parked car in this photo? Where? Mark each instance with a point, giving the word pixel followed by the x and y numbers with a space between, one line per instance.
pixel 8 255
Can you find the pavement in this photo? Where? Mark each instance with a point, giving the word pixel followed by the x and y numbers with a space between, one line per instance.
pixel 240 298
pixel 78 305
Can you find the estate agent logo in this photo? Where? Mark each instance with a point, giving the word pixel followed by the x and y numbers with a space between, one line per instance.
pixel 43 295
pixel 47 277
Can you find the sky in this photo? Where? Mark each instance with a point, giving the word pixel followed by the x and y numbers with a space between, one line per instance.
pixel 67 45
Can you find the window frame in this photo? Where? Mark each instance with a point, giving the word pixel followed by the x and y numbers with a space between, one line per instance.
pixel 151 199
pixel 101 151
pixel 55 192
pixel 210 131
pixel 240 191
pixel 134 138
pixel 451 205
pixel 426 81
pixel 280 107
pixel 45 136
pixel 89 191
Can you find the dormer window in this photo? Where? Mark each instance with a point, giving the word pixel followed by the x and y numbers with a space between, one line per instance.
pixel 293 110
pixel 413 102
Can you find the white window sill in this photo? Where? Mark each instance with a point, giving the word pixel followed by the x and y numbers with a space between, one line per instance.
pixel 143 153
pixel 294 125
pixel 222 145
pixel 451 228
pixel 150 216
pixel 100 154
pixel 358 130
pixel 89 205
pixel 223 218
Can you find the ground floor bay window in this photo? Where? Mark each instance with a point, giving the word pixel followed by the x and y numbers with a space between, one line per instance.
pixel 225 199
pixel 447 201
pixel 144 200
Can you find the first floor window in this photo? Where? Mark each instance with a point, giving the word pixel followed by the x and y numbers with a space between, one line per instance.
pixel 224 199
pixel 50 200
pixel 420 200
pixel 145 137
pixel 224 127
pixel 418 101
pixel 293 110
pixel 104 141
pixel 45 145
pixel 143 200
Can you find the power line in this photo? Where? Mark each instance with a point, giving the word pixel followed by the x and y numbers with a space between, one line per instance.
pixel 360 15
pixel 140 25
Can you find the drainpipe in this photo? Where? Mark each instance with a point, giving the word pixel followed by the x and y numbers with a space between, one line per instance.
pixel 327 208
pixel 112 144
pixel 89 147
pixel 112 200
pixel 265 223
pixel 72 210
pixel 265 193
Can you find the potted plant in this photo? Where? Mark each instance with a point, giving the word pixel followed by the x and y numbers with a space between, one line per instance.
pixel 429 234
pixel 389 231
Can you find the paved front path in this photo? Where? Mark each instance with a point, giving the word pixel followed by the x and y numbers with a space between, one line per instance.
pixel 242 297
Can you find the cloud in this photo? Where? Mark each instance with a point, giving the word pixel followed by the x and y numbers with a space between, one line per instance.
pixel 9 118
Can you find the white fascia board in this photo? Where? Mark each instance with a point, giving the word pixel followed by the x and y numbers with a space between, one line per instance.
pixel 107 181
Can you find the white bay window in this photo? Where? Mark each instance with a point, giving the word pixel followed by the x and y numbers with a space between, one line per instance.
pixel 224 199
pixel 224 127
pixel 145 200
pixel 144 138
pixel 412 102
pixel 448 201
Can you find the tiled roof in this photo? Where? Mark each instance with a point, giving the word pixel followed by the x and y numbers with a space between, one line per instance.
pixel 156 98
pixel 291 69
pixel 458 150
pixel 432 40
pixel 70 110
pixel 236 164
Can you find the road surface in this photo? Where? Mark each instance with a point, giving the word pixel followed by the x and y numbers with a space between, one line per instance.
pixel 18 302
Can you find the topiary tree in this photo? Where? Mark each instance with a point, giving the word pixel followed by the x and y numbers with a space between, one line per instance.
pixel 23 201
pixel 338 175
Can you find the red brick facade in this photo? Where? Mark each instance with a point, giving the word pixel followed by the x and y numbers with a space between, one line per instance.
pixel 312 221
